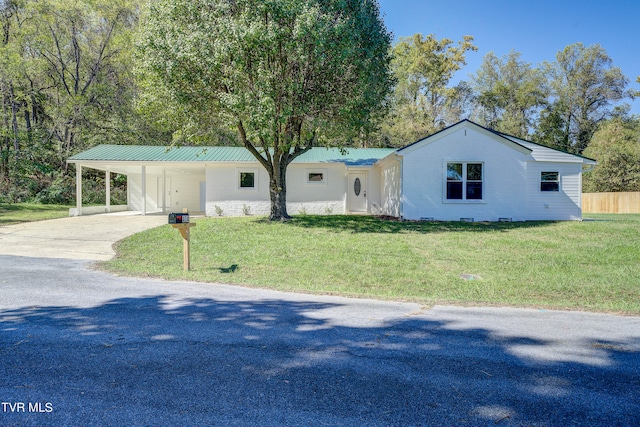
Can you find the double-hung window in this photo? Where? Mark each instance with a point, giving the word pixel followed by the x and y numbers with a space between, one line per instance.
pixel 464 181
pixel 550 181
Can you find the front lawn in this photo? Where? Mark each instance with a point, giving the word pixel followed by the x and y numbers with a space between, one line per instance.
pixel 14 213
pixel 591 265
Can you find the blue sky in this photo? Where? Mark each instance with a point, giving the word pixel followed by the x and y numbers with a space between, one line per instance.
pixel 537 29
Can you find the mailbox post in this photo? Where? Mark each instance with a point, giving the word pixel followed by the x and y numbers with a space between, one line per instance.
pixel 181 222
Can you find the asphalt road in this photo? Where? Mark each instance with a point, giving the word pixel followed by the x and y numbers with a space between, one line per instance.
pixel 83 347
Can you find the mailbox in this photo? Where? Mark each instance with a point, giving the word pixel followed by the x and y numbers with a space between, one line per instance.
pixel 178 218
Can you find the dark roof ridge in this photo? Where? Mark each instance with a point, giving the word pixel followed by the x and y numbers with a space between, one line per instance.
pixel 458 123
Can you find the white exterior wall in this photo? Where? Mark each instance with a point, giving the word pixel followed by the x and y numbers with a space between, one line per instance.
pixel 185 191
pixel 134 193
pixel 374 193
pixel 424 177
pixel 223 190
pixel 390 183
pixel 318 198
pixel 565 204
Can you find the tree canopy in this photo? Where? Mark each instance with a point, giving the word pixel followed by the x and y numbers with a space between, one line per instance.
pixel 66 83
pixel 584 85
pixel 616 146
pixel 509 93
pixel 286 74
pixel 423 100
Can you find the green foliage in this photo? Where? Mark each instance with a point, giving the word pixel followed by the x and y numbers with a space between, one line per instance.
pixel 285 74
pixel 616 147
pixel 509 94
pixel 66 83
pixel 59 190
pixel 423 102
pixel 584 84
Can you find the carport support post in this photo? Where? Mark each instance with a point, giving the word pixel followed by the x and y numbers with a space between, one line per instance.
pixel 78 189
pixel 107 182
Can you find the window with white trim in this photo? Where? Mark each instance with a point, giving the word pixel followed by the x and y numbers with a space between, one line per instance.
pixel 550 181
pixel 247 179
pixel 315 177
pixel 464 180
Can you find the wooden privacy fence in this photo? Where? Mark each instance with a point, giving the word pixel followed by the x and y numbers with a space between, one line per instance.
pixel 611 202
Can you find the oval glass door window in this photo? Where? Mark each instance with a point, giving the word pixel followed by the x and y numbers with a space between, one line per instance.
pixel 357 186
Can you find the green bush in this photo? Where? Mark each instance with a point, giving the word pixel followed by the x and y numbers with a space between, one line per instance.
pixel 59 190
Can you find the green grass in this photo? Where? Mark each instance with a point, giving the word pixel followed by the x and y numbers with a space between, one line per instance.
pixel 14 213
pixel 591 265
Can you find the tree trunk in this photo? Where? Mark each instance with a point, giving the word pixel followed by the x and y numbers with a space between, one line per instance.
pixel 278 193
pixel 5 141
pixel 14 121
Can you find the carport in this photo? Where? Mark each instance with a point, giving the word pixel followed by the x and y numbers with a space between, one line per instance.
pixel 158 180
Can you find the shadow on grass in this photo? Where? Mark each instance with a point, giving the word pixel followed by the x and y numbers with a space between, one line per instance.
pixel 207 361
pixel 30 207
pixel 231 269
pixel 375 224
pixel 16 213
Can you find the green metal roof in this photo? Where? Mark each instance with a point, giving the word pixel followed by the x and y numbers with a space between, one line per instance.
pixel 139 153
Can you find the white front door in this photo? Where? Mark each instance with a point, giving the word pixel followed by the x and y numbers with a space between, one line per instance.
pixel 357 191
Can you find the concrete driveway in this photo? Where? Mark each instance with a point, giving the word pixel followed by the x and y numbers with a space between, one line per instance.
pixel 84 347
pixel 88 237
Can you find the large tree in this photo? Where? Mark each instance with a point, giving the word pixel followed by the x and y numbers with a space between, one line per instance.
pixel 616 147
pixel 423 100
pixel 509 93
pixel 286 74
pixel 66 84
pixel 584 85
pixel 80 52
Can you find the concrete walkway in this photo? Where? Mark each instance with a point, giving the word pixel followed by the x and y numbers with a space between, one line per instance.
pixel 84 237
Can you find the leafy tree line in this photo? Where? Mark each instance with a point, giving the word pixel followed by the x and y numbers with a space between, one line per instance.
pixel 282 75
pixel 559 104
pixel 66 82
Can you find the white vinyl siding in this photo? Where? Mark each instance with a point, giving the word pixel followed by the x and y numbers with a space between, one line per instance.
pixel 390 177
pixel 564 204
pixel 503 181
